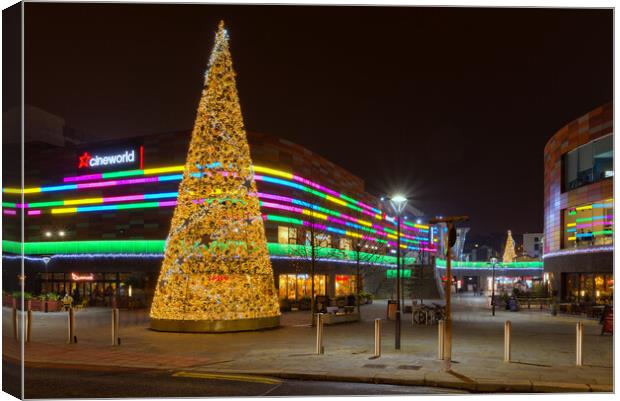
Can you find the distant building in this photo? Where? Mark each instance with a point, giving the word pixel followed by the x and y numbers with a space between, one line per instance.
pixel 482 253
pixel 532 245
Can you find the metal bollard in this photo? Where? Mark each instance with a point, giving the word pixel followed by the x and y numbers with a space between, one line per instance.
pixel 28 325
pixel 319 334
pixel 440 337
pixel 70 327
pixel 579 351
pixel 15 322
pixel 507 340
pixel 377 338
pixel 115 326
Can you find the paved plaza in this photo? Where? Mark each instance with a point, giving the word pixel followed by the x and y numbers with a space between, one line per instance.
pixel 543 350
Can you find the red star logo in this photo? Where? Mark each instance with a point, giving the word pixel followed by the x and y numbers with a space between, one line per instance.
pixel 84 159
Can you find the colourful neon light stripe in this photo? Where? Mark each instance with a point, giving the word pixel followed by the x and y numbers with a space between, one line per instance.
pixel 168 169
pixel 11 212
pixel 334 213
pixel 289 220
pixel 307 212
pixel 327 193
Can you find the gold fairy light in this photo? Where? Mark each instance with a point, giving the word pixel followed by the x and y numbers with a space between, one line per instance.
pixel 216 274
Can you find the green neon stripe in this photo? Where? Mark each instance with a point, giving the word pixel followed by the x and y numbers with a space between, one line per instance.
pixel 157 247
pixel 348 199
pixel 137 205
pixel 117 174
pixel 604 232
pixel 488 265
pixel 45 204
pixel 81 247
pixel 271 217
pixel 9 204
pixel 11 247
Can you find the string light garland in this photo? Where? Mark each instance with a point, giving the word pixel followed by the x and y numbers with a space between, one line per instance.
pixel 212 288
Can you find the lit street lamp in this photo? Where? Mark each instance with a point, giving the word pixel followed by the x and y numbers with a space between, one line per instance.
pixel 398 203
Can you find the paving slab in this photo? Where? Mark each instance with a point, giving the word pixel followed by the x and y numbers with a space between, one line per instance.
pixel 543 349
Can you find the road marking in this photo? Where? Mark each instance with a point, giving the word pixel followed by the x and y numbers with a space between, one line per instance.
pixel 221 376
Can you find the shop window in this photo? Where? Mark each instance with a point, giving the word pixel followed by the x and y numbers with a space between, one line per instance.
pixel 346 244
pixel 287 235
pixel 298 286
pixel 588 225
pixel 588 163
pixel 320 240
pixel 345 285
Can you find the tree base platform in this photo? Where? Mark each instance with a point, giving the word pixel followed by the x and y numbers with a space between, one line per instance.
pixel 214 326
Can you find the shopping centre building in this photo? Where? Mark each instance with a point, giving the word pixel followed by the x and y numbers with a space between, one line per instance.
pixel 578 185
pixel 96 216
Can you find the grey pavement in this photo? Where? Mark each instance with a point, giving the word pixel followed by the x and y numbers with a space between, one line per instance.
pixel 543 351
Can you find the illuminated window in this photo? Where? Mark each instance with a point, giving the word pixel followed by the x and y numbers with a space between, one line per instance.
pixel 298 286
pixel 346 244
pixel 345 285
pixel 287 235
pixel 589 225
pixel 320 239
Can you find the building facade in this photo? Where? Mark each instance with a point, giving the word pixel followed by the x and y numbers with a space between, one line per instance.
pixel 532 245
pixel 96 216
pixel 578 196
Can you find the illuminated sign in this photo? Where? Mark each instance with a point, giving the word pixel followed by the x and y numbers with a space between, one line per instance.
pixel 83 277
pixel 111 158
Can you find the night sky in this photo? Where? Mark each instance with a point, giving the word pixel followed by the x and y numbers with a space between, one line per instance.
pixel 452 105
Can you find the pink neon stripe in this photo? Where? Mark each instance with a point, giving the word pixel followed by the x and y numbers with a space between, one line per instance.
pixel 97 184
pixel 282 207
pixel 123 198
pixel 34 212
pixel 83 178
pixel 275 197
pixel 12 212
pixel 315 185
pixel 167 203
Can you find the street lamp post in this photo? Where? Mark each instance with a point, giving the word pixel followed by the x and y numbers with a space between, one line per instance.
pixel 493 262
pixel 447 344
pixel 398 203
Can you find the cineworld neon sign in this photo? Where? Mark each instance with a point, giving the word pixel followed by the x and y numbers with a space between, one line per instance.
pixel 110 159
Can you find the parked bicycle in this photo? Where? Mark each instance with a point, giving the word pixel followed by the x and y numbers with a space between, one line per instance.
pixel 428 314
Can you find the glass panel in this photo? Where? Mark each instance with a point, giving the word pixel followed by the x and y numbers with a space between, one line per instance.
pixel 585 173
pixel 570 170
pixel 282 286
pixel 589 163
pixel 603 158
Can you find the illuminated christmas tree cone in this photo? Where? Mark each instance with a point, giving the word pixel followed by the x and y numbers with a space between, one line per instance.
pixel 216 275
pixel 509 249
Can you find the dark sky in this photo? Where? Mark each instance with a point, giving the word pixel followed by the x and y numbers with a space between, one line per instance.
pixel 453 105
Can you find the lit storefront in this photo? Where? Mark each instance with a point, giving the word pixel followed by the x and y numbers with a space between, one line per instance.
pixel 298 286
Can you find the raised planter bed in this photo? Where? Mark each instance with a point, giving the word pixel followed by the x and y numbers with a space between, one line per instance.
pixel 336 318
